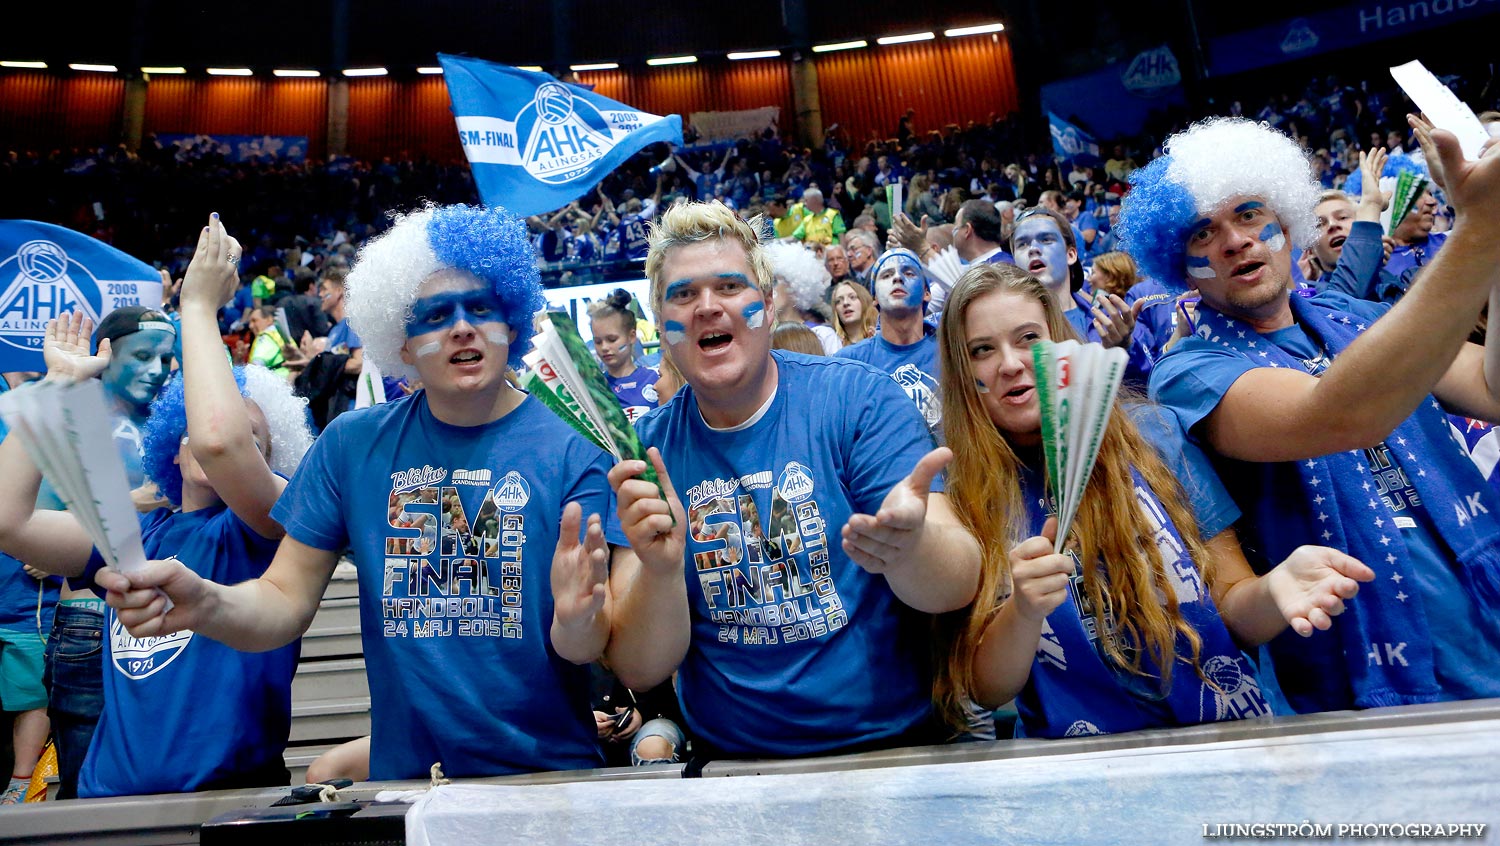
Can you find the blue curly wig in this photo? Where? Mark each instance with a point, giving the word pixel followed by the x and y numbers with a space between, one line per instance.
pixel 287 419
pixel 490 243
pixel 1204 166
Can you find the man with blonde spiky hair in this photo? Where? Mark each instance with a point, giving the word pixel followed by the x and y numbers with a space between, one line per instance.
pixel 788 587
pixel 1325 414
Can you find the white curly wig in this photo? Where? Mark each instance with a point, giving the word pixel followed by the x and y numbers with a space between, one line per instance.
pixel 286 417
pixel 1204 166
pixel 804 274
pixel 383 284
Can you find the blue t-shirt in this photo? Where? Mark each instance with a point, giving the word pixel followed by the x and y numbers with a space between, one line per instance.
pixel 1466 647
pixel 913 366
pixel 184 712
pixel 1159 314
pixel 453 530
pixel 27 604
pixel 343 339
pixel 636 392
pixel 795 649
pixel 1407 260
pixel 1213 507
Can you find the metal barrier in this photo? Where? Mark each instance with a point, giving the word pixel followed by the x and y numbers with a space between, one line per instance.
pixel 1426 764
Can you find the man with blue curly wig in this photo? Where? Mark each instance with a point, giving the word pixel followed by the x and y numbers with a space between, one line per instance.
pixel 462 505
pixel 1325 414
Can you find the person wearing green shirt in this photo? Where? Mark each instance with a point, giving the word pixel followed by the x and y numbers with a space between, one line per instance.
pixel 264 286
pixel 269 347
pixel 818 223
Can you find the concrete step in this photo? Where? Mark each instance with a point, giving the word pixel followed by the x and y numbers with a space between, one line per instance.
pixel 299 758
pixel 345 581
pixel 330 721
pixel 330 681
pixel 334 630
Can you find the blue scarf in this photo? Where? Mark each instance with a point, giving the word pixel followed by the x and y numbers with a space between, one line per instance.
pixel 1074 689
pixel 1379 651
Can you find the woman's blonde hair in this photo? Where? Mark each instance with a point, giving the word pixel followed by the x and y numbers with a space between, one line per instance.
pixel 1119 269
pixel 868 314
pixel 691 223
pixel 1132 598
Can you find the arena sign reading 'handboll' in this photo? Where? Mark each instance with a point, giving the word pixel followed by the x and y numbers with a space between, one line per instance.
pixel 47 271
pixel 535 143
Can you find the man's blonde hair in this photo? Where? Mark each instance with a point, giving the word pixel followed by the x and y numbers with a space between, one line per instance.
pixel 691 223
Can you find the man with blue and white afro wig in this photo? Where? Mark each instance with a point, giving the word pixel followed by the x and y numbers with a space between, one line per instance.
pixel 286 416
pixel 1204 166
pixel 489 243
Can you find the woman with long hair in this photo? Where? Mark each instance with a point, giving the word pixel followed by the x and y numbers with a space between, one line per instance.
pixel 854 312
pixel 1147 630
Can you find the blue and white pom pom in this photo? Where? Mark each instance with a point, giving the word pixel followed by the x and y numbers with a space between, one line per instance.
pixel 1204 166
pixel 490 243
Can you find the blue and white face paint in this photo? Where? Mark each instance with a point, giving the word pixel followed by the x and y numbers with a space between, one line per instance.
pixel 674 332
pixel 900 281
pixel 1042 251
pixel 478 307
pixel 754 314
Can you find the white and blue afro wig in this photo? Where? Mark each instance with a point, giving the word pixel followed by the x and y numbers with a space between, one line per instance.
pixel 803 272
pixel 1204 166
pixel 490 243
pixel 286 414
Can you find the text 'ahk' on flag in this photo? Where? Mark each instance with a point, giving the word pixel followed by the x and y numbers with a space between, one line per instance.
pixel 535 143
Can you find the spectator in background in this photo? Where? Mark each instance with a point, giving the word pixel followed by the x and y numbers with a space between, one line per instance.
pixel 1120 165
pixel 920 202
pixel 613 325
pixel 784 222
pixel 862 247
pixel 904 346
pixel 269 349
pixel 263 287
pixel 801 292
pixel 836 262
pixel 797 338
pixel 817 224
pixel 342 339
pixel 304 312
pixel 1415 243
pixel 854 312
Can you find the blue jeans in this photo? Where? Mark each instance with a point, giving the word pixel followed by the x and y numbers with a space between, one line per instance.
pixel 74 679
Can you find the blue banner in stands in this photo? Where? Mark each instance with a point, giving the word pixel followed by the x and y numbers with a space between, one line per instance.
pixel 1322 30
pixel 534 143
pixel 47 271
pixel 1070 143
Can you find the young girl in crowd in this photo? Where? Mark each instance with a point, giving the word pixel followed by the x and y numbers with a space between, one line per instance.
pixel 1147 630
pixel 182 712
pixel 614 328
pixel 855 313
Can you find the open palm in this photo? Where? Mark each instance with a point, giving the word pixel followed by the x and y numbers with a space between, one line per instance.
pixel 66 349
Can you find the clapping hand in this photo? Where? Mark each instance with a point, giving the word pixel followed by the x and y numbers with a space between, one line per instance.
pixel 66 349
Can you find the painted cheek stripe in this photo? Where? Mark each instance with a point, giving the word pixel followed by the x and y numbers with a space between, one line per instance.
pixel 755 315
pixel 674 332
pixel 1199 267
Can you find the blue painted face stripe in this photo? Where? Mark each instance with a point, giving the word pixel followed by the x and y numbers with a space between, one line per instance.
pixel 1244 207
pixel 1198 261
pixel 674 332
pixel 442 311
pixel 674 287
pixel 1271 230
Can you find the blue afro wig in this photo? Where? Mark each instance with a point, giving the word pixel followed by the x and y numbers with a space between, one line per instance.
pixel 290 427
pixel 1204 167
pixel 490 243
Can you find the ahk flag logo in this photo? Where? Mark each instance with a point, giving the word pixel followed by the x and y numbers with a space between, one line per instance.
pixel 48 271
pixel 1069 142
pixel 536 144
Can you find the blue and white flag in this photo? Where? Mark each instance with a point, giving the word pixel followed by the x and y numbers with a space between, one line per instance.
pixel 47 271
pixel 1069 142
pixel 534 143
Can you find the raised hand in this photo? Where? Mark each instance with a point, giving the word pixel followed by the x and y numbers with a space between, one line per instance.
pixel 66 349
pixel 579 571
pixel 1310 586
pixel 140 598
pixel 656 528
pixel 1372 201
pixel 213 275
pixel 887 540
pixel 1114 320
pixel 1039 577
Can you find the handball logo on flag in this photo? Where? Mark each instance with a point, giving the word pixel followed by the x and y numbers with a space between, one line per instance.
pixel 534 143
pixel 39 286
pixel 563 135
pixel 48 271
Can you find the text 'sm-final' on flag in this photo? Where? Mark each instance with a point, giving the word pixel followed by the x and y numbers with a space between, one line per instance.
pixel 534 143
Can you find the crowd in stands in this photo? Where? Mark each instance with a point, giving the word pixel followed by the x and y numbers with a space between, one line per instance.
pixel 845 448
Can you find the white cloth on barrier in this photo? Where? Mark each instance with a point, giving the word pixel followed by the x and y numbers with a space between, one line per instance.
pixel 1446 773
